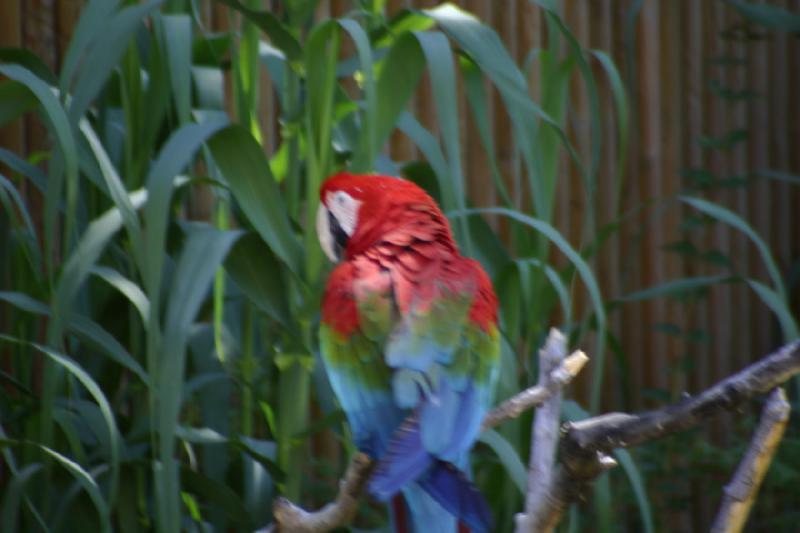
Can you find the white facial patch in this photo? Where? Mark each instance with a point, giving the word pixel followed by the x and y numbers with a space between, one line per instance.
pixel 345 208
pixel 324 233
pixel 336 221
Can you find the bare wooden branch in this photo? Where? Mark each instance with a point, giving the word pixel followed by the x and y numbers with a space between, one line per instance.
pixel 293 519
pixel 585 442
pixel 585 445
pixel 569 486
pixel 619 430
pixel 538 394
pixel 741 492
pixel 544 438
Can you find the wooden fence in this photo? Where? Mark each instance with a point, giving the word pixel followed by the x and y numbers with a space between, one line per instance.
pixel 694 72
pixel 676 58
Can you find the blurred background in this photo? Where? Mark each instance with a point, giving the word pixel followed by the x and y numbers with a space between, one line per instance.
pixel 669 137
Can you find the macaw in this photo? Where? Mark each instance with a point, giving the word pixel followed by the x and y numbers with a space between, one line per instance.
pixel 409 340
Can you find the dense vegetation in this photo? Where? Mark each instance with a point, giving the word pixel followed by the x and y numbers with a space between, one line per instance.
pixel 161 277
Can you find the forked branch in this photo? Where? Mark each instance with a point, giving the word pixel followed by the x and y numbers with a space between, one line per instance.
pixel 586 445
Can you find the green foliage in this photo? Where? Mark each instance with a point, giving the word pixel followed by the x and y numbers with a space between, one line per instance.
pixel 162 373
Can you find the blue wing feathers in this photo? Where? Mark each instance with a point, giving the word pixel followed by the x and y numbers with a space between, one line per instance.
pixel 405 460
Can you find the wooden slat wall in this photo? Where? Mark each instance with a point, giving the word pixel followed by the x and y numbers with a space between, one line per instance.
pixel 668 77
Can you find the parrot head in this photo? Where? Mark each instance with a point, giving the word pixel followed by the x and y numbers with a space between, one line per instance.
pixel 356 211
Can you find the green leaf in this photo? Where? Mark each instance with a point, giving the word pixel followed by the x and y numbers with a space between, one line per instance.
pixel 202 254
pixel 112 180
pixel 219 495
pixel 727 216
pixel 247 264
pixel 368 144
pixel 177 37
pixel 29 60
pixel 15 100
pixel 14 493
pixel 280 35
pixel 241 161
pixel 477 99
pixel 773 17
pixel 85 255
pixel 126 287
pixel 558 285
pixel 508 457
pixel 441 69
pixel 638 486
pixel 112 37
pixel 778 305
pixel 173 158
pixel 94 15
pixel 675 288
pixel 57 121
pixel 105 408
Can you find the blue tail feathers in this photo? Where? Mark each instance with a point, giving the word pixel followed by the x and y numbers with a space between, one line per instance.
pixel 446 490
pixel 450 487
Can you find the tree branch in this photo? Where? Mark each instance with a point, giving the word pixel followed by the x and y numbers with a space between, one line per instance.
pixel 544 438
pixel 585 443
pixel 291 518
pixel 741 492
pixel 538 394
pixel 619 430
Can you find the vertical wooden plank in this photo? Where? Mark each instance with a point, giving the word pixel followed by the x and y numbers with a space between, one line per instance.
pixel 651 174
pixel 39 36
pixel 502 21
pixel 672 38
pixel 695 126
pixel 759 201
pixel 781 192
pixel 577 14
pixel 67 15
pixel 481 187
pixel 607 264
pixel 736 77
pixel 692 128
pixel 793 112
pixel 632 335
pixel 401 147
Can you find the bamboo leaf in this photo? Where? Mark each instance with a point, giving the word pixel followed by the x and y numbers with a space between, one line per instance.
pixel 112 36
pixel 248 261
pixel 727 216
pixel 241 161
pixel 508 457
pixel 638 486
pixel 778 305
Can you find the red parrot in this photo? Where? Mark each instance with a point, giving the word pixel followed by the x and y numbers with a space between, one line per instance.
pixel 410 343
